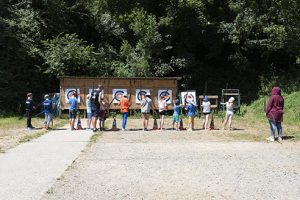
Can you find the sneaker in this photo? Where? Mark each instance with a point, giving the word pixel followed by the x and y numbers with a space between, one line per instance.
pixel 145 129
pixel 271 139
pixel 123 129
pixel 29 128
pixel 279 139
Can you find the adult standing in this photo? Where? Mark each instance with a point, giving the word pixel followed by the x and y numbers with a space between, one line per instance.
pixel 29 106
pixel 125 104
pixel 72 110
pixel 146 105
pixel 274 113
pixel 96 97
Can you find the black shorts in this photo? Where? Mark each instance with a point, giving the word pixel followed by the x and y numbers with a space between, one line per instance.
pixel 206 113
pixel 164 112
pixel 95 113
pixel 72 114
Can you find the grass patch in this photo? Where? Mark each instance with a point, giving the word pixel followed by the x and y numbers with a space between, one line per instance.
pixel 27 138
pixel 38 134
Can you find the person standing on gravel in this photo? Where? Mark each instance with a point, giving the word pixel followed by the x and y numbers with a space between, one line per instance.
pixel 48 111
pixel 125 104
pixel 97 95
pixel 274 113
pixel 88 111
pixel 206 111
pixel 229 112
pixel 146 105
pixel 29 107
pixel 72 110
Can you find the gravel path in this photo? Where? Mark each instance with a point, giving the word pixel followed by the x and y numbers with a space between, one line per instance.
pixel 30 169
pixel 172 165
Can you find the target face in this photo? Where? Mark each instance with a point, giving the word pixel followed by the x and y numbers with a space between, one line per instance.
pixel 188 97
pixel 118 94
pixel 166 93
pixel 71 91
pixel 139 93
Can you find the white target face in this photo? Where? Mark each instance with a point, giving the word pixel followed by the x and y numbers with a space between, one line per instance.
pixel 139 93
pixel 167 94
pixel 118 94
pixel 187 97
pixel 70 91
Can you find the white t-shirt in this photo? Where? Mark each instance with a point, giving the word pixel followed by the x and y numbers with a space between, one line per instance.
pixel 206 107
pixel 146 105
pixel 162 105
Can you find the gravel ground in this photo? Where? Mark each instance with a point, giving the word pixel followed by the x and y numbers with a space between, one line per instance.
pixel 180 165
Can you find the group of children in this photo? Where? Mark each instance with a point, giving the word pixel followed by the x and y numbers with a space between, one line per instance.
pixel 147 105
pixel 97 109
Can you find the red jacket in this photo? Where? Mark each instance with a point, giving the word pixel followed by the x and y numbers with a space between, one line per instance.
pixel 274 110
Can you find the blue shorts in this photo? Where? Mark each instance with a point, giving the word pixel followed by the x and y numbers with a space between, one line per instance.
pixel 89 115
pixel 72 114
pixel 48 118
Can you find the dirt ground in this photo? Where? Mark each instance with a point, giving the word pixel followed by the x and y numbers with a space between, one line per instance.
pixel 181 165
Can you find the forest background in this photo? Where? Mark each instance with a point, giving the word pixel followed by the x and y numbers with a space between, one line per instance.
pixel 250 45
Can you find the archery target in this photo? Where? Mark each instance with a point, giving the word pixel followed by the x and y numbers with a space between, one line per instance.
pixel 187 97
pixel 139 92
pixel 167 93
pixel 68 93
pixel 118 94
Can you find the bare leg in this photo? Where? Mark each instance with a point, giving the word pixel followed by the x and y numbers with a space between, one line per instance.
pixel 225 122
pixel 230 121
pixel 206 121
pixel 162 120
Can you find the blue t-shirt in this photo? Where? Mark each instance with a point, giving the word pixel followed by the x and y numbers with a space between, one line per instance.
pixel 88 106
pixel 47 106
pixel 73 103
pixel 176 109
pixel 191 110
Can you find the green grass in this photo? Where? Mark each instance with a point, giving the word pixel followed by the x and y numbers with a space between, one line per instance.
pixel 255 114
pixel 9 121
pixel 38 134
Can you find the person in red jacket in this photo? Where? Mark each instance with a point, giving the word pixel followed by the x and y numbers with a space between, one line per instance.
pixel 274 113
pixel 125 104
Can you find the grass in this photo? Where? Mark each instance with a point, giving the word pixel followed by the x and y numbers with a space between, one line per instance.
pixel 28 138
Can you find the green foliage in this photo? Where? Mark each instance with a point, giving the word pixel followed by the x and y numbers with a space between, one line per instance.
pixel 217 43
pixel 68 55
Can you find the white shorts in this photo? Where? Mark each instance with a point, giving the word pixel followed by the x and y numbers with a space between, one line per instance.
pixel 229 113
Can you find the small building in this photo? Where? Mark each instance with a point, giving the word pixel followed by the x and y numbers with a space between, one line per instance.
pixel 114 88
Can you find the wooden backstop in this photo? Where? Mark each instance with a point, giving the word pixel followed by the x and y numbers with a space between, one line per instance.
pixel 113 87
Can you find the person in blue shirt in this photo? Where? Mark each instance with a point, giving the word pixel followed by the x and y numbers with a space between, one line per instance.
pixel 72 110
pixel 48 110
pixel 29 106
pixel 191 111
pixel 176 113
